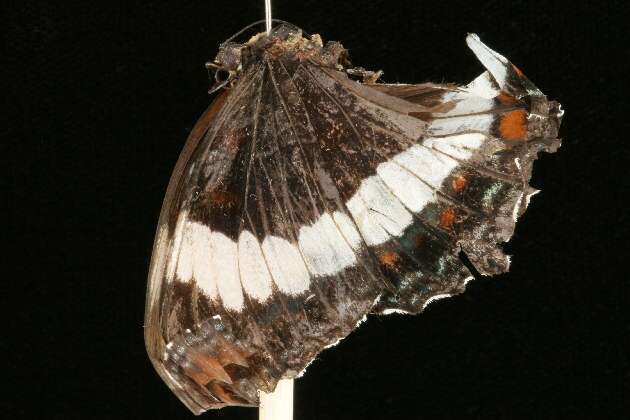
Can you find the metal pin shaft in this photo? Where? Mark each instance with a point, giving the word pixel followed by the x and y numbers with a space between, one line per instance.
pixel 268 15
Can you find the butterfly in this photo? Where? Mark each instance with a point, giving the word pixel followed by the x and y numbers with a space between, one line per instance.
pixel 309 195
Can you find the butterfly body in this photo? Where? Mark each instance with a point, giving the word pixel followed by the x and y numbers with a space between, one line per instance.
pixel 304 200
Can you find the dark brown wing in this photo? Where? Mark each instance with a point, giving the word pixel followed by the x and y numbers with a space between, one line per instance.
pixel 311 200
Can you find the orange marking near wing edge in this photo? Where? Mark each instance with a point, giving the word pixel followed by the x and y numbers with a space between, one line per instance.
pixel 458 183
pixel 389 258
pixel 513 125
pixel 447 218
pixel 505 98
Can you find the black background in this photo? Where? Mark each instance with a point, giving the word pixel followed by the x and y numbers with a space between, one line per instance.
pixel 99 99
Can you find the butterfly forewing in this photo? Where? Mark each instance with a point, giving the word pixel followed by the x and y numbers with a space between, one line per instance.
pixel 303 200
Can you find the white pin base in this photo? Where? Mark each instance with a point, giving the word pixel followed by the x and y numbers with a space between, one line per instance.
pixel 279 404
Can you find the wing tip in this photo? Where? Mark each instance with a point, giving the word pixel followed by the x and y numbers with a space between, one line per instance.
pixel 497 65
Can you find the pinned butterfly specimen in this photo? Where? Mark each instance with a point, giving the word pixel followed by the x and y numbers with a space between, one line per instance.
pixel 309 195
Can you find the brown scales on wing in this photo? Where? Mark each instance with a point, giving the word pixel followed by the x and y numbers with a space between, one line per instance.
pixel 205 368
pixel 222 198
pixel 505 98
pixel 517 71
pixel 344 130
pixel 218 368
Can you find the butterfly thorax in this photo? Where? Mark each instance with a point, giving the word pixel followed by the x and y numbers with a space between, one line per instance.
pixel 285 43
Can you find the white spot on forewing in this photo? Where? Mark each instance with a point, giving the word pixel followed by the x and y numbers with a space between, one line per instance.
pixel 467 102
pixel 429 165
pixel 372 232
pixel 446 126
pixel 286 265
pixel 348 230
pixel 200 237
pixel 325 250
pixel 460 146
pixel 483 86
pixel 493 61
pixel 224 266
pixel 378 214
pixel 384 207
pixel 407 187
pixel 255 276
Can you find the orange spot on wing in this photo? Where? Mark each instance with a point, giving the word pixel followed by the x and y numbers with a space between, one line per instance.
pixel 447 218
pixel 505 98
pixel 459 183
pixel 513 125
pixel 389 258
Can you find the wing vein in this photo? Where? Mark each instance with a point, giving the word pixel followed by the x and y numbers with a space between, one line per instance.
pixel 254 144
pixel 360 139
pixel 312 131
pixel 292 124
